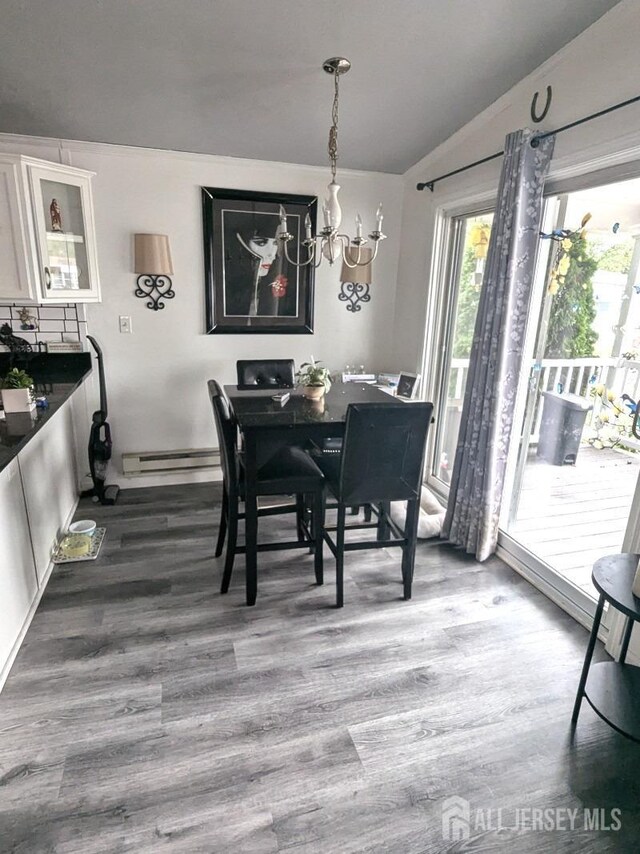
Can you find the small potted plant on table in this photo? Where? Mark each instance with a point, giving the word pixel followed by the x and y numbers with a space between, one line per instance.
pixel 17 392
pixel 314 378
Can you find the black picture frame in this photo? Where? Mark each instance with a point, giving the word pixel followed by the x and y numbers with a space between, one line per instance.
pixel 236 222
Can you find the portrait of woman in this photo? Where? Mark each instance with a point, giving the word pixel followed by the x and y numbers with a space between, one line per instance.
pixel 251 286
pixel 257 278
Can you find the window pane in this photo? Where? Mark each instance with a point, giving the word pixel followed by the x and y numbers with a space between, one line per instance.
pixel 470 263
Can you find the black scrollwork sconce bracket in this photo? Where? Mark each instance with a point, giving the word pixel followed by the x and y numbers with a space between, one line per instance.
pixel 155 289
pixel 353 293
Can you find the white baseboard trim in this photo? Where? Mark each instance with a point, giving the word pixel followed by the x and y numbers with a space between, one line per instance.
pixel 173 479
pixel 6 669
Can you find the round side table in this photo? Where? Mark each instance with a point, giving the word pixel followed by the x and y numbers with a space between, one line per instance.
pixel 612 688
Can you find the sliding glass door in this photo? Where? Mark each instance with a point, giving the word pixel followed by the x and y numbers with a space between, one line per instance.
pixel 467 252
pixel 576 460
pixel 575 465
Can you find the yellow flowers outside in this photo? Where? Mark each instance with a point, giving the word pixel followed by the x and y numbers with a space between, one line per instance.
pixel 611 420
pixel 562 260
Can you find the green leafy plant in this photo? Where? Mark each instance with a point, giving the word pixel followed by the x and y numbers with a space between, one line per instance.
pixel 17 379
pixel 570 333
pixel 313 373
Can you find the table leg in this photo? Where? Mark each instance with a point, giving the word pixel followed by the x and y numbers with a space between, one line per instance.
pixel 625 640
pixel 587 660
pixel 409 551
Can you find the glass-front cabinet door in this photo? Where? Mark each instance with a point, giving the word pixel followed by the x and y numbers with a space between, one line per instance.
pixel 65 234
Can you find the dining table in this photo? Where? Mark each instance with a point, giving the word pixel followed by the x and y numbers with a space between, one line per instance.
pixel 267 425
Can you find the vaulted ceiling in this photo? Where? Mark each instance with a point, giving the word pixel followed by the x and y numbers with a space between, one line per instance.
pixel 244 78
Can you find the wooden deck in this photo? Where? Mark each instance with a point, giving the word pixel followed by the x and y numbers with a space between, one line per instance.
pixel 569 516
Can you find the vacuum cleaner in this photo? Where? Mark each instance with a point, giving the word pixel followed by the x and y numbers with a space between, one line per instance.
pixel 100 442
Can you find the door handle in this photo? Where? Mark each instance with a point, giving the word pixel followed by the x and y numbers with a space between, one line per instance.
pixel 47 278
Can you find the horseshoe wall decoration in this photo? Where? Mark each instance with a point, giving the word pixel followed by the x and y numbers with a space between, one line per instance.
pixel 534 103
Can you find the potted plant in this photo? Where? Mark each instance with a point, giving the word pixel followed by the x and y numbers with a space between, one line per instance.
pixel 314 378
pixel 17 392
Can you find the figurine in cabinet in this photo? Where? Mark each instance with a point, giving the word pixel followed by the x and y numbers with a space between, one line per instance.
pixel 56 215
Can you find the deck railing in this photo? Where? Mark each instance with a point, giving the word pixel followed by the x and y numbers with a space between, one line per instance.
pixel 575 376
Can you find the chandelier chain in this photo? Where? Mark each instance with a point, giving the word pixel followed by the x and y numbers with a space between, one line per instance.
pixel 330 242
pixel 333 130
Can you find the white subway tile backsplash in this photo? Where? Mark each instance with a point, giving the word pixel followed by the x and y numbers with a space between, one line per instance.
pixel 52 326
pixel 51 312
pixel 66 322
pixel 49 336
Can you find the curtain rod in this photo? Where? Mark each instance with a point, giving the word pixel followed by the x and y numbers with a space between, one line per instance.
pixel 535 142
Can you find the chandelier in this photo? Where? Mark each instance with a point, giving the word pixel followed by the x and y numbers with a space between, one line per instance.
pixel 330 243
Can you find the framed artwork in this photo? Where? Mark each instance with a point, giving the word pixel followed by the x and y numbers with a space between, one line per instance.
pixel 407 385
pixel 250 285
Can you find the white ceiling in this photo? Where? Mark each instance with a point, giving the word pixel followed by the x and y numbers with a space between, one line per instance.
pixel 244 78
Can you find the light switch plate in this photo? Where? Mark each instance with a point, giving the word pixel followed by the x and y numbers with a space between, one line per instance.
pixel 125 324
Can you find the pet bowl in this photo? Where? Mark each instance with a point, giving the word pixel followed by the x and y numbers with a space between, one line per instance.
pixel 82 526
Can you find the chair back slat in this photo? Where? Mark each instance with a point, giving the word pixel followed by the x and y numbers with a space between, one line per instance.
pixel 265 373
pixel 383 452
pixel 227 436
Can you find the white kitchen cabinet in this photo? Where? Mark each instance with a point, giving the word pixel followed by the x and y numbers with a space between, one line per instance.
pixel 47 466
pixel 18 582
pixel 17 274
pixel 47 231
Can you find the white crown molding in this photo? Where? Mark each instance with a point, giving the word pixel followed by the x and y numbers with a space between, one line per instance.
pixel 112 149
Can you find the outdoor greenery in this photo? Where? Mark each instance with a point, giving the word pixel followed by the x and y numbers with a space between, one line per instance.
pixel 570 334
pixel 468 298
pixel 614 259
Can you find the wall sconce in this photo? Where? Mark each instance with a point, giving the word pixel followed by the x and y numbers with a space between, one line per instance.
pixel 355 281
pixel 152 260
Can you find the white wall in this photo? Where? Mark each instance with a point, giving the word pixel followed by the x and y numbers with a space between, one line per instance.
pixel 599 68
pixel 156 376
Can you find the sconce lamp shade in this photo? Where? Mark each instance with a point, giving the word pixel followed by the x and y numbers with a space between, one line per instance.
pixel 152 255
pixel 361 274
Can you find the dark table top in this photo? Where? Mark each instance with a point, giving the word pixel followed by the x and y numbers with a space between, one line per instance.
pixel 256 409
pixel 56 376
pixel 613 576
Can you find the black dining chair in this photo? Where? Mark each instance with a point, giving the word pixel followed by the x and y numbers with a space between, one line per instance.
pixel 381 461
pixel 290 472
pixel 265 373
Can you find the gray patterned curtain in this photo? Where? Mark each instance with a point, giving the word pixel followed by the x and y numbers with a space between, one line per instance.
pixel 475 494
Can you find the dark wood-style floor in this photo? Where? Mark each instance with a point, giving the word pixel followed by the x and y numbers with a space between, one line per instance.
pixel 147 713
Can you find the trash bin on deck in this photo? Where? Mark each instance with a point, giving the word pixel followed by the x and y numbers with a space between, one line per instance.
pixel 563 417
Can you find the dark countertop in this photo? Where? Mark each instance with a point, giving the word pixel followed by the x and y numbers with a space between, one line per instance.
pixel 57 376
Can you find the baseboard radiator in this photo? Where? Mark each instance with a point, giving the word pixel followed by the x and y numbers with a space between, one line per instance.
pixel 170 462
